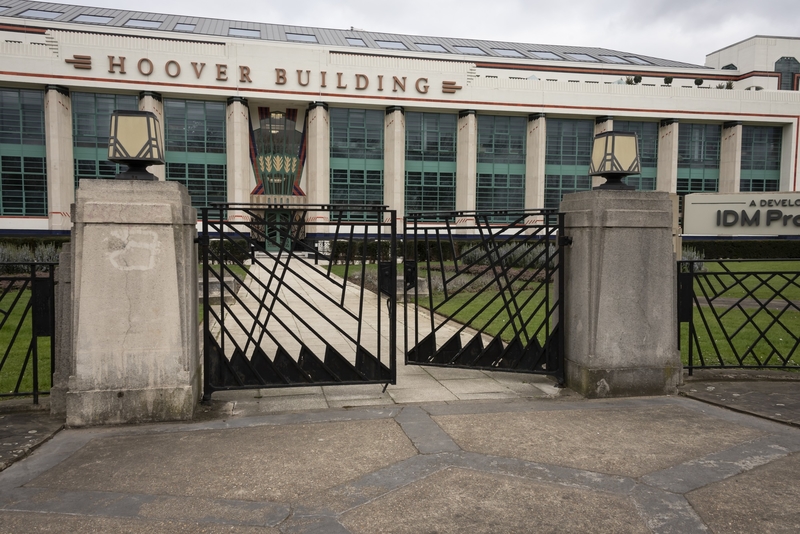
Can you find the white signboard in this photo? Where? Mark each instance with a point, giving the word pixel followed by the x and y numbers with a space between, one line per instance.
pixel 775 213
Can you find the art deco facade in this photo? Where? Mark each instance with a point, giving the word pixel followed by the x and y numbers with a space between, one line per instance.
pixel 297 114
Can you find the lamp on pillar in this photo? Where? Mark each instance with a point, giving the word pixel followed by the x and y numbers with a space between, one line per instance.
pixel 615 155
pixel 135 141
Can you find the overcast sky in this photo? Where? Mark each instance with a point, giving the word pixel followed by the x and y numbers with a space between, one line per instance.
pixel 682 30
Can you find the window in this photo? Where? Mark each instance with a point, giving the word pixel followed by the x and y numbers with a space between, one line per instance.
pixel 544 55
pixel 787 66
pixel 396 45
pixel 474 50
pixel 612 59
pixel 356 156
pixel 240 32
pixel 426 47
pixel 39 14
pixel 761 158
pixel 430 162
pixel 698 158
pixel 195 148
pixel 92 19
pixel 353 41
pixel 647 133
pixel 507 52
pixel 301 37
pixel 568 151
pixel 91 117
pixel 184 27
pixel 23 171
pixel 637 60
pixel 149 24
pixel 580 57
pixel 501 163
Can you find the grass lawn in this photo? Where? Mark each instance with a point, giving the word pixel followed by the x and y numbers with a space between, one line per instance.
pixel 12 366
pixel 728 279
pixel 753 341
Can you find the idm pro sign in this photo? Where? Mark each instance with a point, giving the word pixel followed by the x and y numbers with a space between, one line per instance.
pixel 742 214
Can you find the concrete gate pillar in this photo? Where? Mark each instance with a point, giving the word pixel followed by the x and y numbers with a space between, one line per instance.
pixel 134 311
pixel 620 303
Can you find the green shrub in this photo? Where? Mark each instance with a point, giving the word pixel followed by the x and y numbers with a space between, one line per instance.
pixel 21 254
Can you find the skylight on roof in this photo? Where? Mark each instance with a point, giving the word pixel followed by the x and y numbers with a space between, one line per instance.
pixel 355 41
pixel 241 32
pixel 507 52
pixel 137 23
pixel 637 60
pixel 427 47
pixel 94 19
pixel 395 45
pixel 301 37
pixel 544 55
pixel 612 59
pixel 184 27
pixel 474 50
pixel 39 14
pixel 3 8
pixel 581 57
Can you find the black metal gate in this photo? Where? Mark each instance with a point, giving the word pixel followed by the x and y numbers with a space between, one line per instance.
pixel 739 314
pixel 290 295
pixel 27 328
pixel 482 290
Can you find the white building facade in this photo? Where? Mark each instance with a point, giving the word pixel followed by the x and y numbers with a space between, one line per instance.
pixel 346 116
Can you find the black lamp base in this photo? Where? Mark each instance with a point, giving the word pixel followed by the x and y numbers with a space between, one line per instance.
pixel 614 183
pixel 136 172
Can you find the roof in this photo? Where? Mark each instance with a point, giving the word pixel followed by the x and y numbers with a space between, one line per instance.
pixel 353 38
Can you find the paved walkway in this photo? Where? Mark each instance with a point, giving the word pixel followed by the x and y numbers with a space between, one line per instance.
pixel 664 465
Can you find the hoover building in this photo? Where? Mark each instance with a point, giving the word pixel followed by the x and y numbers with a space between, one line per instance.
pixel 295 114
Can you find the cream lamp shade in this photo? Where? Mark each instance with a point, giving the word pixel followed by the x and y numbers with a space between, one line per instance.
pixel 614 156
pixel 135 141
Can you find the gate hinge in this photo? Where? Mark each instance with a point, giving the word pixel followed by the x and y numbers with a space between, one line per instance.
pixel 564 241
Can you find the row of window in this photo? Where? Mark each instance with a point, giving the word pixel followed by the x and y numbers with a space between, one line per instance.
pixel 195 154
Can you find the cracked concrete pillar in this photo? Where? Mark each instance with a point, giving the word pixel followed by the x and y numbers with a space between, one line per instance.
pixel 134 305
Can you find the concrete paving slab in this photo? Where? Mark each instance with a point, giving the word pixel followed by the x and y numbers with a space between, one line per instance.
pixel 763 499
pixel 626 441
pixel 462 500
pixel 30 522
pixel 266 463
pixel 475 385
pixel 21 432
pixel 411 395
pixel 772 399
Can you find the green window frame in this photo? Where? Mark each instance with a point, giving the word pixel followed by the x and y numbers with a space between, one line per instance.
pixel 23 154
pixel 500 183
pixel 430 162
pixel 568 153
pixel 761 158
pixel 91 120
pixel 698 157
pixel 194 135
pixel 647 133
pixel 356 157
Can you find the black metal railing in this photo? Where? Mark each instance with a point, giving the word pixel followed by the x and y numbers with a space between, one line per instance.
pixel 481 291
pixel 739 314
pixel 27 328
pixel 291 295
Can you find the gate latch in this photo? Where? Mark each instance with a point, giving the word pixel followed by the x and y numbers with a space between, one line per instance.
pixel 564 241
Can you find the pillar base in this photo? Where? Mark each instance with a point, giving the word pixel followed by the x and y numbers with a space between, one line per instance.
pixel 121 406
pixel 628 382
